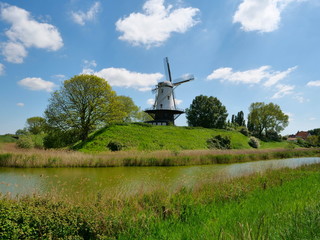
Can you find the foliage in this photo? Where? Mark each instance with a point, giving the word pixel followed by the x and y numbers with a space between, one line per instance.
pixel 25 141
pixel 115 146
pixel 315 131
pixel 128 111
pixel 142 116
pixel 20 132
pixel 206 112
pixel 254 142
pixel 36 125
pixel 56 138
pixel 146 137
pixel 266 119
pixel 244 131
pixel 31 141
pixel 313 141
pixel 83 104
pixel 58 158
pixel 219 142
pixel 238 119
pixel 302 143
pixel 273 136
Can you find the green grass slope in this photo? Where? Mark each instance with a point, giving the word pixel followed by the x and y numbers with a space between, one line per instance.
pixel 7 139
pixel 145 137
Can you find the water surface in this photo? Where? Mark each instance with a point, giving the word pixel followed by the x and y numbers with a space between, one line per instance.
pixel 126 181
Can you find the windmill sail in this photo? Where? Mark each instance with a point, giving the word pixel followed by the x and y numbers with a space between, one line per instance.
pixel 184 79
pixel 167 69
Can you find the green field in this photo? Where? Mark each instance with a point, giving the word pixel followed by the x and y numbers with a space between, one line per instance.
pixel 144 137
pixel 7 139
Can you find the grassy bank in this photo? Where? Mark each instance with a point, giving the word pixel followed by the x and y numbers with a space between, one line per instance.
pixel 281 204
pixel 13 157
pixel 145 137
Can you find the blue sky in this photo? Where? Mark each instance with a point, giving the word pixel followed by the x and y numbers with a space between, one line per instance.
pixel 240 51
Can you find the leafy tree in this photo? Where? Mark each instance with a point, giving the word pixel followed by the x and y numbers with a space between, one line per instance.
pixel 313 140
pixel 21 132
pixel 142 116
pixel 36 125
pixel 264 119
pixel 239 119
pixel 206 112
pixel 315 131
pixel 83 104
pixel 128 111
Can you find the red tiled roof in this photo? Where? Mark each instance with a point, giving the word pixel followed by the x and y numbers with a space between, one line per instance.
pixel 302 134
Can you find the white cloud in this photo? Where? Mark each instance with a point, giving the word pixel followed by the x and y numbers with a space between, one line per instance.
pixel 278 76
pixel 20 104
pixel 82 17
pixel 25 32
pixel 252 76
pixel 150 101
pixel 2 69
pixel 59 77
pixel 299 98
pixel 283 90
pixel 37 84
pixel 87 67
pixel 178 101
pixel 314 83
pixel 248 77
pixel 263 75
pixel 156 23
pixel 88 64
pixel 14 52
pixel 121 77
pixel 312 119
pixel 260 15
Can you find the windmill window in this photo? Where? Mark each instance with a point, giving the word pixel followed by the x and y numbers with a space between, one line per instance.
pixel 161 90
pixel 168 97
pixel 160 105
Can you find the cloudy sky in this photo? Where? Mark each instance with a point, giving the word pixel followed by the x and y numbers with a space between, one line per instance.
pixel 240 51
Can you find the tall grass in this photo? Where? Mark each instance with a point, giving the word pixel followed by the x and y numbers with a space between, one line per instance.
pixel 13 157
pixel 281 204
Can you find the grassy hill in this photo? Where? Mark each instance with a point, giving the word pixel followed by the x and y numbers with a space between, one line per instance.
pixel 7 138
pixel 146 137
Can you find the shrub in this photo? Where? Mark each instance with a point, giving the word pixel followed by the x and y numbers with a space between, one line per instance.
pixel 115 146
pixel 254 142
pixel 25 142
pixel 219 142
pixel 244 131
pixel 58 139
pixel 273 136
pixel 38 140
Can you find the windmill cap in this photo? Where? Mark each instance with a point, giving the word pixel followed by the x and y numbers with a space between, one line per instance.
pixel 165 83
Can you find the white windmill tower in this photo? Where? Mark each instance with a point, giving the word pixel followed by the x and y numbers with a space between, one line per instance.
pixel 164 110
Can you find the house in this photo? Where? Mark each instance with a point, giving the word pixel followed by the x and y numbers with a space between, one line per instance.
pixel 303 135
pixel 299 135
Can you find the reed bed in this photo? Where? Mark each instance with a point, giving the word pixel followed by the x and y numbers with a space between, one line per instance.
pixel 281 204
pixel 10 156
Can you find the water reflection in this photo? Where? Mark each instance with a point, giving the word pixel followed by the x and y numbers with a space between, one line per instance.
pixel 126 181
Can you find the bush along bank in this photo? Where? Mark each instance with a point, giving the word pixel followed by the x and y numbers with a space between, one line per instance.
pixel 280 204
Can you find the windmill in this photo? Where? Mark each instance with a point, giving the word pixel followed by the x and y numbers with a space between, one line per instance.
pixel 164 110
